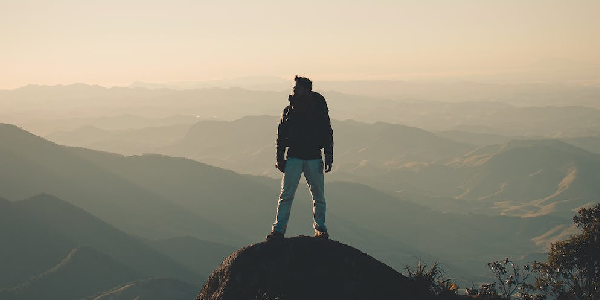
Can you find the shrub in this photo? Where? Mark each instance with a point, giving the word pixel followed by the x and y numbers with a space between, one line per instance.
pixel 511 279
pixel 573 267
pixel 431 278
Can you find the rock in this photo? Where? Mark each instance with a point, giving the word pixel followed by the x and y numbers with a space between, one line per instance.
pixel 306 268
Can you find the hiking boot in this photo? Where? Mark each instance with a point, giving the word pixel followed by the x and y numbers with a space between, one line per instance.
pixel 274 235
pixel 321 234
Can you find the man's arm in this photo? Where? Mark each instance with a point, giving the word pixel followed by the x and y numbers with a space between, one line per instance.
pixel 328 142
pixel 282 140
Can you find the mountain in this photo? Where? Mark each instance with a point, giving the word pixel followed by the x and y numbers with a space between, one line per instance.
pixel 158 197
pixel 32 165
pixel 399 159
pixel 83 272
pixel 494 118
pixel 526 89
pixel 477 139
pixel 85 135
pixel 521 178
pixel 150 289
pixel 22 238
pixel 47 109
pixel 537 177
pixel 86 229
pixel 306 268
pixel 127 142
pixel 246 145
pixel 242 145
pixel 225 199
pixel 63 125
pixel 185 251
pixel 45 222
pixel 512 110
pixel 589 143
pixel 390 228
pixel 467 240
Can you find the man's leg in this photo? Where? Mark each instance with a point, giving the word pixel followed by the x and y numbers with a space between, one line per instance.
pixel 313 171
pixel 289 184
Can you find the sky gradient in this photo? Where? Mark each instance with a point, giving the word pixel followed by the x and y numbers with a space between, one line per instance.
pixel 119 42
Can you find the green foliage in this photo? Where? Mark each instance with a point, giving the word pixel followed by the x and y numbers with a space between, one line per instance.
pixel 511 280
pixel 432 278
pixel 573 267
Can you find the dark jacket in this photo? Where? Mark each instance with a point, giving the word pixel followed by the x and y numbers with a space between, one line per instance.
pixel 305 129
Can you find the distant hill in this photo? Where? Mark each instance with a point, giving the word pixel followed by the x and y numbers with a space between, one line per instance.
pixel 450 91
pixel 589 143
pixel 32 165
pixel 185 250
pixel 117 122
pixel 150 289
pixel 464 238
pixel 22 240
pixel 162 197
pixel 519 94
pixel 82 273
pixel 246 145
pixel 127 142
pixel 402 159
pixel 45 222
pixel 477 139
pixel 536 177
pixel 520 177
pixel 489 118
pixel 513 110
pixel 85 229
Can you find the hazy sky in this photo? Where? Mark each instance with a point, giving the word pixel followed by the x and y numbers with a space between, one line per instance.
pixel 117 42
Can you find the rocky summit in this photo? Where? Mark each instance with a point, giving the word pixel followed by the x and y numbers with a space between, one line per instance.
pixel 306 268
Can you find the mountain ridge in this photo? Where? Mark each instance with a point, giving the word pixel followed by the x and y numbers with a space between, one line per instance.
pixel 48 168
pixel 71 277
pixel 150 289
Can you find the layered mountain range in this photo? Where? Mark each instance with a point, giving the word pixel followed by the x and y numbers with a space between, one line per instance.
pixel 418 165
pixel 55 250
pixel 156 196
pixel 151 189
pixel 47 109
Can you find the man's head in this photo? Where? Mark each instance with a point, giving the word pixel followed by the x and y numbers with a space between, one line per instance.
pixel 303 86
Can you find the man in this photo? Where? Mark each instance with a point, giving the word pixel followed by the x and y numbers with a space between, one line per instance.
pixel 304 129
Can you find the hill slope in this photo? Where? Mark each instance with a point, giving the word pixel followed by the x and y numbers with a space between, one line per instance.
pixel 82 273
pixel 305 268
pixel 30 165
pixel 45 222
pixel 534 177
pixel 246 145
pixel 185 250
pixel 22 238
pixel 150 289
pixel 161 197
pixel 85 229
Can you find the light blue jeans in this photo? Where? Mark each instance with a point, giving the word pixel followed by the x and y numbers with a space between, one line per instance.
pixel 313 172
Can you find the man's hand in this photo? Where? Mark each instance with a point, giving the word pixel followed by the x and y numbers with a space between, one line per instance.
pixel 328 162
pixel 280 165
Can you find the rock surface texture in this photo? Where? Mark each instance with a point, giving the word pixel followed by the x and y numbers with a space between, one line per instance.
pixel 306 268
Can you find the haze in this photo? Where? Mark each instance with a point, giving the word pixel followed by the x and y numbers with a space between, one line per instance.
pixel 137 138
pixel 117 42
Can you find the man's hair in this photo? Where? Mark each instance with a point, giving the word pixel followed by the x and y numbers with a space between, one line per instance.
pixel 303 82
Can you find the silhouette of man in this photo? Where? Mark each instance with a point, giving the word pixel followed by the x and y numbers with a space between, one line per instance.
pixel 304 129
